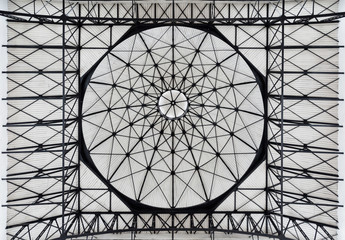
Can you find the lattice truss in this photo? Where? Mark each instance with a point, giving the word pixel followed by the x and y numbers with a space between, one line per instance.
pixel 172 117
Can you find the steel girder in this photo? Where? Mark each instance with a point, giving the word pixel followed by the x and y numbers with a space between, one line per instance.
pixel 67 21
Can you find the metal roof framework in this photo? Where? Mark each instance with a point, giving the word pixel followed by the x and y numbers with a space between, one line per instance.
pixel 286 189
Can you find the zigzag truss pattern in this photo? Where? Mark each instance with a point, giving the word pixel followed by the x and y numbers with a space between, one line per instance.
pixel 54 192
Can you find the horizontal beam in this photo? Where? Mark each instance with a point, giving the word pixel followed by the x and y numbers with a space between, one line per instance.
pixel 54 147
pixel 307 221
pixel 305 72
pixel 38 46
pixel 301 19
pixel 39 72
pixel 305 148
pixel 300 196
pixel 293 122
pixel 305 47
pixel 41 172
pixel 304 98
pixel 42 97
pixel 42 123
pixel 304 171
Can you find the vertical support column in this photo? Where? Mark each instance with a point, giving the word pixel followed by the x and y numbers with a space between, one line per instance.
pixel 79 119
pixel 70 119
pixel 3 121
pixel 266 106
pixel 134 227
pixel 211 226
pixel 172 226
pixel 275 84
pixel 282 120
pixel 63 230
pixel 135 11
pixel 341 114
pixel 173 11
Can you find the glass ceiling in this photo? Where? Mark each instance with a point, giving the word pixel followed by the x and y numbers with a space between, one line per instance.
pixel 171 118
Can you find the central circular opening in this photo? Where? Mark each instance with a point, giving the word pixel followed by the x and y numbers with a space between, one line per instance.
pixel 173 104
